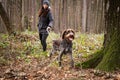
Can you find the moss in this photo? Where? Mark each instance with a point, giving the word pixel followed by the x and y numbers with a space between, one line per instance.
pixel 112 56
pixel 106 59
pixel 93 61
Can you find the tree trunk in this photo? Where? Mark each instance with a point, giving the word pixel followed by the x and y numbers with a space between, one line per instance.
pixel 84 14
pixel 5 19
pixel 108 58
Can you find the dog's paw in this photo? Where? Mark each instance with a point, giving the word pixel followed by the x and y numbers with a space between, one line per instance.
pixel 60 68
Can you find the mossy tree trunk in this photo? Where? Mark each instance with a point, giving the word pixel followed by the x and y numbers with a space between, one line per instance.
pixel 108 58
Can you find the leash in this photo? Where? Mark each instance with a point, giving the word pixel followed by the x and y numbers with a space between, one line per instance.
pixel 51 37
pixel 49 34
pixel 51 61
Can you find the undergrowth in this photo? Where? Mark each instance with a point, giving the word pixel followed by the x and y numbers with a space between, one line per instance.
pixel 26 45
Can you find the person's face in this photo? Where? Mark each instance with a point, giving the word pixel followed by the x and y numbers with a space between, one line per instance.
pixel 45 6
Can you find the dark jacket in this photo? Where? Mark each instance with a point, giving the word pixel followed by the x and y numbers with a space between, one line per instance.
pixel 45 21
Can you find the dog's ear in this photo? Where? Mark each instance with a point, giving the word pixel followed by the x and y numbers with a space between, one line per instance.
pixel 63 34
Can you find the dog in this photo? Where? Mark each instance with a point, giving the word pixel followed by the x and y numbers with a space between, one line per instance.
pixel 64 46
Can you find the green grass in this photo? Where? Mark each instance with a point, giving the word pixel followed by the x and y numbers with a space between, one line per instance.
pixel 87 44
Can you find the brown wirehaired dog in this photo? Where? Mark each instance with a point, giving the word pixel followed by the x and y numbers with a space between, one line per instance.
pixel 64 46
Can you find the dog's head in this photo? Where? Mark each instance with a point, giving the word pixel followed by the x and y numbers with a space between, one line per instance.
pixel 68 34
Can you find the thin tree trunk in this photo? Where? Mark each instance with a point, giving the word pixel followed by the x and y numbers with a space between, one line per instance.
pixel 5 19
pixel 84 14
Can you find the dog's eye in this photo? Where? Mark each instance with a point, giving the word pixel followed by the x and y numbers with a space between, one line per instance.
pixel 72 32
pixel 68 31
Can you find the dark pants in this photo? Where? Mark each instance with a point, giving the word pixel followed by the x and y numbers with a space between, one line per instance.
pixel 43 38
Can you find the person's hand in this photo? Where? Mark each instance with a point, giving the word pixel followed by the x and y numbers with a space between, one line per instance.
pixel 48 29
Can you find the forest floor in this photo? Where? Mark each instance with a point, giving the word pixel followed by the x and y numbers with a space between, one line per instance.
pixel 21 58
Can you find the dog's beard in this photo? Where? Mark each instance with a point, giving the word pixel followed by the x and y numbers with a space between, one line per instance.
pixel 71 38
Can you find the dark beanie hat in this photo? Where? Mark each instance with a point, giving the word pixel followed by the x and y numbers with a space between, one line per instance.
pixel 46 2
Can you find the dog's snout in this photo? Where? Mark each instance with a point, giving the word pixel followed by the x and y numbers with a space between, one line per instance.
pixel 71 33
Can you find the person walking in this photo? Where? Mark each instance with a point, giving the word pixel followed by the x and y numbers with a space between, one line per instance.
pixel 45 22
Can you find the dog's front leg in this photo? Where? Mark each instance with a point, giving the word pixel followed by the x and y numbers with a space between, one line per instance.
pixel 72 61
pixel 60 57
pixel 51 53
